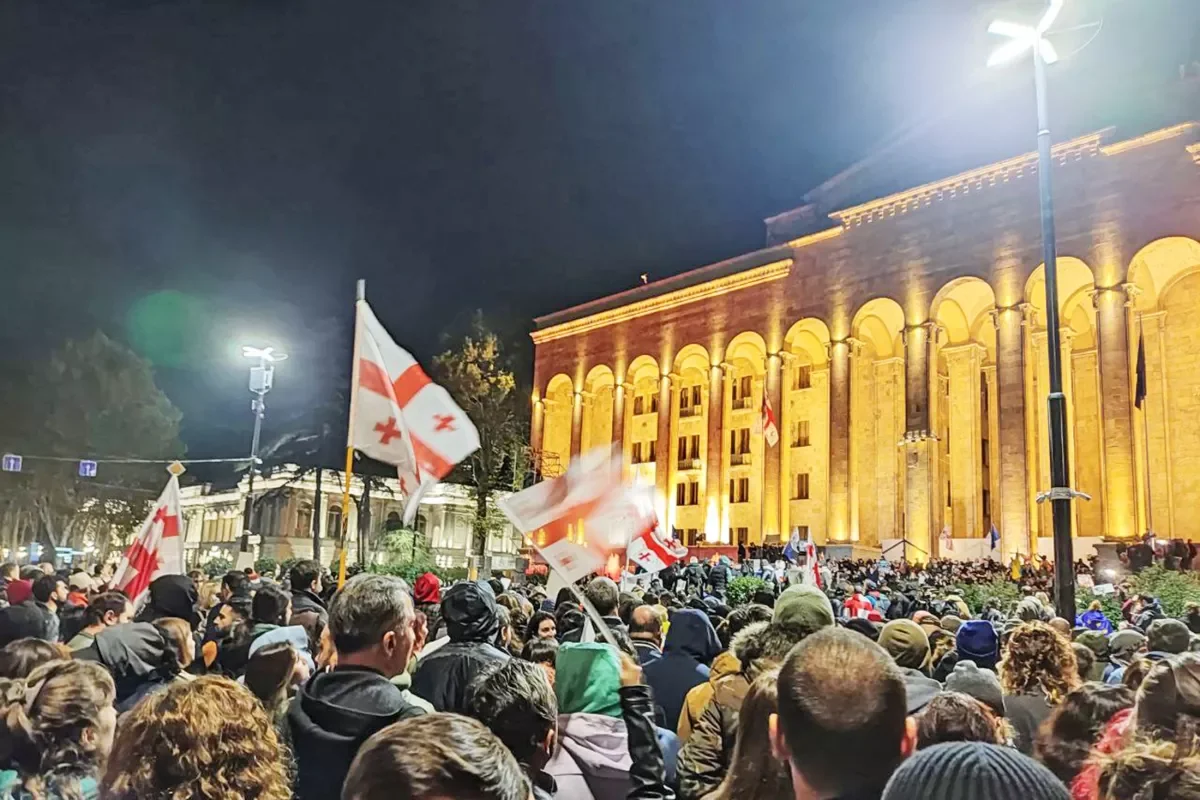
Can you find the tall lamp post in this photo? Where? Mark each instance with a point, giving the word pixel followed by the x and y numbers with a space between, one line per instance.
pixel 1023 39
pixel 261 377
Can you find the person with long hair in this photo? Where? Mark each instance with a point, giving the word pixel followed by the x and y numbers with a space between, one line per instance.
pixel 270 675
pixel 1067 737
pixel 541 626
pixel 57 731
pixel 177 632
pixel 1037 672
pixel 754 773
pixel 957 717
pixel 208 739
pixel 19 658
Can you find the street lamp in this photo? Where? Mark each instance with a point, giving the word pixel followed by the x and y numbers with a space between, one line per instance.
pixel 261 377
pixel 1022 39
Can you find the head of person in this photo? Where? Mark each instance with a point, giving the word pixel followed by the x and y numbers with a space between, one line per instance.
pixel 1123 646
pixel 841 730
pixel 305 576
pixel 470 613
pixel 31 573
pixel 1168 701
pixel 504 624
pixel 81 582
pixel 973 769
pixel 802 610
pixel 541 626
pixel 741 618
pixel 371 621
pixel 50 589
pixel 234 611
pixel 1150 769
pixel 544 653
pixel 1038 660
pixel 587 679
pixel 435 757
pixel 208 738
pixel 108 609
pixel 9 571
pixel 178 635
pixel 1066 738
pixel 271 605
pixel 1167 636
pixel 19 658
pixel 47 567
pixel 976 640
pixel 754 773
pixel 1085 660
pixel 645 625
pixel 270 673
pixel 905 641
pixel 515 700
pixel 956 717
pixel 235 584
pixel 603 595
pixel 1136 672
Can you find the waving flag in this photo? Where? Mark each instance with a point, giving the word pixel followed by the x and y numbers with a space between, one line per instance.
pixel 812 569
pixel 946 540
pixel 650 551
pixel 770 430
pixel 401 417
pixel 791 550
pixel 157 550
pixel 993 536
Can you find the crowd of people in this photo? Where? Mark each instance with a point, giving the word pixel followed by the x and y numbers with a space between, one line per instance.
pixel 882 684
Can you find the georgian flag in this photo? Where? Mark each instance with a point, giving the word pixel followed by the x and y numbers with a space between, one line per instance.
pixel 812 568
pixel 401 417
pixel 157 550
pixel 770 430
pixel 651 551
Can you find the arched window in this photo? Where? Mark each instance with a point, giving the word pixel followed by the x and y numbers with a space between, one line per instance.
pixel 393 522
pixel 303 520
pixel 333 521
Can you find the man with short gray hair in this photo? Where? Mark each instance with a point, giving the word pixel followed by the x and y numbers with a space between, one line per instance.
pixel 373 627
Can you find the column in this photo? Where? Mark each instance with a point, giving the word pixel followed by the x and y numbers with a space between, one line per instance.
pixel 783 416
pixel 1066 338
pixel 626 418
pixel 537 420
pixel 662 448
pixel 992 425
pixel 1116 412
pixel 576 423
pixel 772 456
pixel 672 448
pixel 714 494
pixel 919 442
pixel 839 442
pixel 889 431
pixel 618 419
pixel 963 365
pixel 1034 411
pixel 1013 496
pixel 860 428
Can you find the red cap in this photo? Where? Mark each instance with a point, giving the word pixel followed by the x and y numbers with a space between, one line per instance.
pixel 427 589
pixel 19 591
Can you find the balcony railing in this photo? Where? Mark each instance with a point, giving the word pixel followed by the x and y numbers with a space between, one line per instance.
pixel 742 403
pixel 686 464
pixel 740 459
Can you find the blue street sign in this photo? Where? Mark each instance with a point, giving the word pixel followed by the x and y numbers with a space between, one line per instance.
pixel 87 469
pixel 10 463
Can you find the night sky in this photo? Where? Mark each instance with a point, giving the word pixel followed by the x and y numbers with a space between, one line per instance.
pixel 191 176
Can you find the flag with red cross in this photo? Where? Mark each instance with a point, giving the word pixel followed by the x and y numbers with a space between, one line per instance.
pixel 157 549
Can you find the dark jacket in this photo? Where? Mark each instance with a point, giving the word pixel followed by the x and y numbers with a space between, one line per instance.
pixel 718 578
pixel 137 656
pixel 330 717
pixel 576 634
pixel 647 773
pixel 706 757
pixel 51 619
pixel 310 612
pixel 691 646
pixel 172 596
pixel 469 614
pixel 647 652
pixel 1026 712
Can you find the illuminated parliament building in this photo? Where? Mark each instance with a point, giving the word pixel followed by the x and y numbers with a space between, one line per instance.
pixel 899 340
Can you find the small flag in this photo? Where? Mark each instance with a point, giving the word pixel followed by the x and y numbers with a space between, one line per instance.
pixel 812 570
pixel 946 540
pixel 791 550
pixel 653 553
pixel 1139 388
pixel 993 536
pixel 403 418
pixel 770 431
pixel 157 550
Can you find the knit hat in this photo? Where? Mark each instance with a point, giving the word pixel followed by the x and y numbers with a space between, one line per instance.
pixel 977 641
pixel 427 589
pixel 1123 645
pixel 1095 641
pixel 1167 636
pixel 864 626
pixel 906 643
pixel 803 607
pixel 951 623
pixel 981 684
pixel 19 591
pixel 976 770
pixel 928 622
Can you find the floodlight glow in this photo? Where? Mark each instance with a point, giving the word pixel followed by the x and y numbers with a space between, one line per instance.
pixel 263 353
pixel 1025 38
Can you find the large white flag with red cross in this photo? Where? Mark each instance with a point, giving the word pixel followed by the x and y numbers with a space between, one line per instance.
pixel 158 548
pixel 651 550
pixel 401 417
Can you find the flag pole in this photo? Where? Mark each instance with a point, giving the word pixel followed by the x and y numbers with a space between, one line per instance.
pixel 360 296
pixel 1145 422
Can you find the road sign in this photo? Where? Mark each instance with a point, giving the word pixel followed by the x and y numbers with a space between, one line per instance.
pixel 87 469
pixel 10 463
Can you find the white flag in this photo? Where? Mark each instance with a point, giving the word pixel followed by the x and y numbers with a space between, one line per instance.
pixel 769 429
pixel 650 550
pixel 157 550
pixel 403 418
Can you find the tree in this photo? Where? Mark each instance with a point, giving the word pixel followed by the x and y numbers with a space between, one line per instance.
pixel 91 398
pixel 477 374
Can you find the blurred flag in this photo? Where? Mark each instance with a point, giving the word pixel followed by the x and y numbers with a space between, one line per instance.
pixel 157 550
pixel 650 551
pixel 1139 387
pixel 770 431
pixel 400 417
pixel 791 550
pixel 812 569
pixel 947 541
pixel 993 536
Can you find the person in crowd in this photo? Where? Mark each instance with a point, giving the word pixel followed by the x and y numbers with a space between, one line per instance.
pixel 956 717
pixel 179 637
pixel 1094 619
pixel 80 585
pixel 436 757
pixel 272 675
pixel 22 656
pixel 49 593
pixel 1037 672
pixel 1146 611
pixel 754 772
pixel 704 761
pixel 593 758
pixel 308 609
pixel 1096 642
pixel 138 656
pixel 689 650
pixel 470 616
pixel 1123 647
pixel 172 596
pixel 907 644
pixel 516 701
pixel 1191 616
pixel 234 586
pixel 982 684
pixel 719 577
pixel 542 652
pixel 231 630
pixel 1164 638
pixel 541 626
pixel 976 641
pixel 506 638
pixel 372 624
pixel 976 770
pixel 602 593
pixel 1149 769
pixel 842 725
pixel 857 604
pixel 1085 660
pixel 57 730
pixel 105 610
pixel 1168 701
pixel 646 631
pixel 1067 737
pixel 206 739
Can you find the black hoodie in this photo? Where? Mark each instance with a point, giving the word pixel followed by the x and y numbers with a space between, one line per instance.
pixel 469 615
pixel 329 719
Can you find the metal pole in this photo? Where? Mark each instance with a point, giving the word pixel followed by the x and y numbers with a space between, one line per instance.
pixel 260 407
pixel 1060 493
pixel 1146 434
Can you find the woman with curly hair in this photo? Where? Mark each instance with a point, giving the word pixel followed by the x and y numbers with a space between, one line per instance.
pixel 1037 672
pixel 209 739
pixel 56 732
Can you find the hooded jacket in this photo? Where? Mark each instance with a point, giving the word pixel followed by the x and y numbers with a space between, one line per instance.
pixel 310 612
pixel 330 717
pixel 172 596
pixel 690 647
pixel 1094 621
pixel 137 656
pixel 697 698
pixel 718 576
pixel 469 615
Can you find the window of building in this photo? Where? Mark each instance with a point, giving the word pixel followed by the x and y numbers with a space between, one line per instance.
pixel 802 530
pixel 687 493
pixel 739 490
pixel 987 503
pixel 742 388
pixel 333 521
pixel 802 481
pixel 639 404
pixel 803 377
pixel 694 446
pixel 984 452
pixel 696 395
pixel 304 520
pixel 690 537
pixel 739 441
pixel 800 434
pixel 739 535
pixel 682 449
pixel 393 521
pixel 654 403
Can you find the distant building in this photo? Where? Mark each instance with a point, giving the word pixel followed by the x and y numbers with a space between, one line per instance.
pixel 283 518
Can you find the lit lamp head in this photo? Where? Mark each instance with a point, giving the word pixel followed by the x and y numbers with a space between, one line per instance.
pixel 1023 38
pixel 266 354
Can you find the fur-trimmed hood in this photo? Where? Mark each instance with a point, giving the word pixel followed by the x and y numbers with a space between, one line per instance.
pixel 764 645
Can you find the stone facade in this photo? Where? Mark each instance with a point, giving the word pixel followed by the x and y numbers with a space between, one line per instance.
pixel 901 346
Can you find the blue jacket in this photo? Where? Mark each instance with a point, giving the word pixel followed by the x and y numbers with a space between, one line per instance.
pixel 690 647
pixel 1094 621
